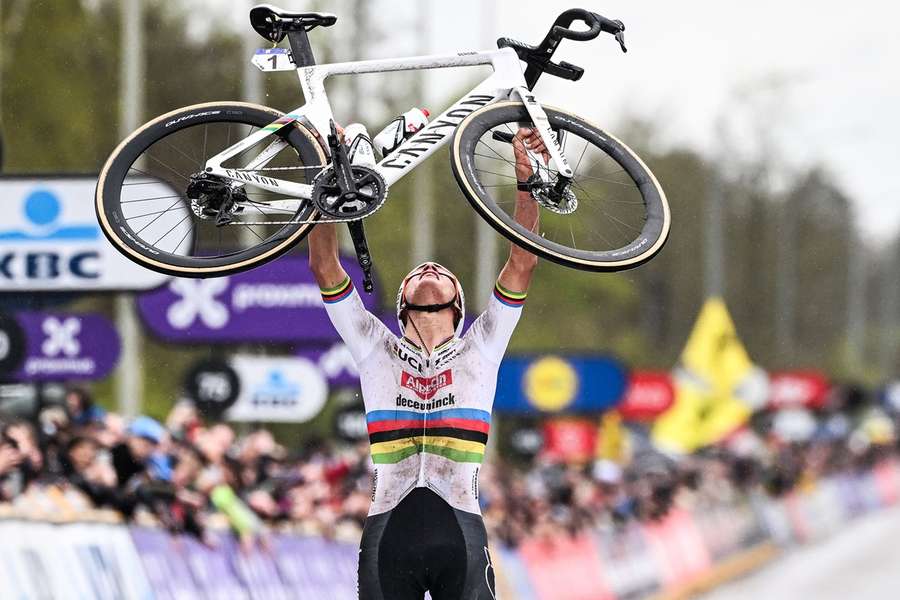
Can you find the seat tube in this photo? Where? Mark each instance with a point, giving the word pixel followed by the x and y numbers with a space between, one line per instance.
pixel 300 48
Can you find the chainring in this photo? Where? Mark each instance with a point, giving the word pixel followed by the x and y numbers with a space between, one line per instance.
pixel 371 194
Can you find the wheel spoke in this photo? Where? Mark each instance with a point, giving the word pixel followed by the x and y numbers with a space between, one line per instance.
pixel 155 218
pixel 187 216
pixel 148 199
pixel 605 214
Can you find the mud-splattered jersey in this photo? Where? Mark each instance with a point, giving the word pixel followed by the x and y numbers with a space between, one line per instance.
pixel 428 416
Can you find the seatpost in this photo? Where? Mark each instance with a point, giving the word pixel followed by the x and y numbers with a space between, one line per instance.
pixel 300 48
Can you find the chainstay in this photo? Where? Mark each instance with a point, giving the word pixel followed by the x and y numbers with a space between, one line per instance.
pixel 308 221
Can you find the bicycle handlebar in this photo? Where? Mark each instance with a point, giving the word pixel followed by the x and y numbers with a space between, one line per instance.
pixel 561 29
pixel 596 24
pixel 539 57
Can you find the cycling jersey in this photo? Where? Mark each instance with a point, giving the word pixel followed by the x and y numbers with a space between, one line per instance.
pixel 428 416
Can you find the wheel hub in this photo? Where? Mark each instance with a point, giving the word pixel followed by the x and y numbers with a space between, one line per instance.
pixel 548 198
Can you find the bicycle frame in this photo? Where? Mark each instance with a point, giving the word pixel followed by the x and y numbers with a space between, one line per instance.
pixel 506 81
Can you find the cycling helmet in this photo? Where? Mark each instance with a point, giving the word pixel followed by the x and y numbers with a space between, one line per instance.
pixel 458 303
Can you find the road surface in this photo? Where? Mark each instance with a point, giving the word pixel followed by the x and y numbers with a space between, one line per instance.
pixel 862 562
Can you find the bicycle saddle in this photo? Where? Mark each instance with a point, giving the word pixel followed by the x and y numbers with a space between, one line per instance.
pixel 273 23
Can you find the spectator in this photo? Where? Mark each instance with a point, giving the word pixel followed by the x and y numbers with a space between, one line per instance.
pixel 132 457
pixel 81 408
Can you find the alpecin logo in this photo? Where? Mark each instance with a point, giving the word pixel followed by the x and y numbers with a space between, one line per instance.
pixel 426 387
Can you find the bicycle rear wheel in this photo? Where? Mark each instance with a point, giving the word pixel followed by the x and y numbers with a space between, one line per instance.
pixel 143 202
pixel 617 216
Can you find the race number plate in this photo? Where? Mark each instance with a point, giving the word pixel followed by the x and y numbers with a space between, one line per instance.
pixel 274 59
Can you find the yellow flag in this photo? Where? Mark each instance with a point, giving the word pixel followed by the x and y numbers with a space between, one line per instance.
pixel 710 385
pixel 612 443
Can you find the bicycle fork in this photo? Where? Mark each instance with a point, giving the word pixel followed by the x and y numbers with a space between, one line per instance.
pixel 551 142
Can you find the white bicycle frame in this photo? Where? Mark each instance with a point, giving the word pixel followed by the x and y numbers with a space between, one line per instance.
pixel 506 81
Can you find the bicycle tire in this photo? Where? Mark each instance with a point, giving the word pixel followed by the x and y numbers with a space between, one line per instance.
pixel 642 248
pixel 109 189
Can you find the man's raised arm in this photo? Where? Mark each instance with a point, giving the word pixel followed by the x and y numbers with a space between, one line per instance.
pixel 324 259
pixel 516 274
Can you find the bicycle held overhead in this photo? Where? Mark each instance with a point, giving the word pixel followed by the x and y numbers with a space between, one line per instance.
pixel 245 183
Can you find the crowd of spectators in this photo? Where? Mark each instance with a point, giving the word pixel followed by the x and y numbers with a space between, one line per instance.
pixel 187 475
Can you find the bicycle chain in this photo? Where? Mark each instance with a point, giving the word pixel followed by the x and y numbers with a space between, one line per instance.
pixel 305 221
pixel 326 220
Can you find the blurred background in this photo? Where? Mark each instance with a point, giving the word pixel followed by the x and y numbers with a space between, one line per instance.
pixel 726 403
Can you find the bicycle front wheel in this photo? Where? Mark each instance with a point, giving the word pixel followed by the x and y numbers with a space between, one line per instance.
pixel 154 209
pixel 615 216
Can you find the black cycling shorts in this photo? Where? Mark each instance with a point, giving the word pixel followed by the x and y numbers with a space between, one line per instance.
pixel 425 544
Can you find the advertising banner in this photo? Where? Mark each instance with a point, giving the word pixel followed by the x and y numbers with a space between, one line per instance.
pixel 797 389
pixel 557 384
pixel 313 567
pixel 40 560
pixel 50 239
pixel 276 302
pixel 570 440
pixel 293 567
pixel 649 394
pixel 277 389
pixel 213 385
pixel 61 346
pixel 566 569
pixel 678 546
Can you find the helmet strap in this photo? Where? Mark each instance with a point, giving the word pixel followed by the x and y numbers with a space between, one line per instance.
pixel 430 307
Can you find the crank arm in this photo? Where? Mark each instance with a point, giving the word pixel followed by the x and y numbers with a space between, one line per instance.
pixel 358 235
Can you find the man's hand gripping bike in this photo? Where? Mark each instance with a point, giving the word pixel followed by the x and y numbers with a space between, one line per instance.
pixel 217 188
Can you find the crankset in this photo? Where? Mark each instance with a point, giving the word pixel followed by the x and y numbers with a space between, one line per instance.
pixel 214 198
pixel 329 197
pixel 350 191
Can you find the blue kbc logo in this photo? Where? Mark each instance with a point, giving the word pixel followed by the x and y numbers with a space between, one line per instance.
pixel 42 210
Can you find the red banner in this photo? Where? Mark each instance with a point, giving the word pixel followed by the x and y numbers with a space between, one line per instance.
pixel 648 395
pixel 570 440
pixel 797 389
pixel 679 548
pixel 566 568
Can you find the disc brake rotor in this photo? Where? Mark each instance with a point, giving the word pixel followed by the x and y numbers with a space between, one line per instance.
pixel 566 205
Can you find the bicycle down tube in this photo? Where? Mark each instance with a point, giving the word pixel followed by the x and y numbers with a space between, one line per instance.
pixel 506 80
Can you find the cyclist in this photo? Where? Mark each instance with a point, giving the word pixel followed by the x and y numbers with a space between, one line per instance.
pixel 428 398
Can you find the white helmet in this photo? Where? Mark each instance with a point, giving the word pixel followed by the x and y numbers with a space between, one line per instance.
pixel 458 303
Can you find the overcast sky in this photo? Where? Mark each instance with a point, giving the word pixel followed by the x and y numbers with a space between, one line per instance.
pixel 823 77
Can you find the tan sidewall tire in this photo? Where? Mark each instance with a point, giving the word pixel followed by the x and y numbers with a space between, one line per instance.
pixel 514 236
pixel 183 271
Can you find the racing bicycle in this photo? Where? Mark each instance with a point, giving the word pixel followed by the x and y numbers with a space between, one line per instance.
pixel 217 188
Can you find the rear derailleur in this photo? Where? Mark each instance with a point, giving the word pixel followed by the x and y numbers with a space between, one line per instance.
pixel 215 198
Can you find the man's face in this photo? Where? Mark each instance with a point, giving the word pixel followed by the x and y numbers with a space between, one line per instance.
pixel 430 284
